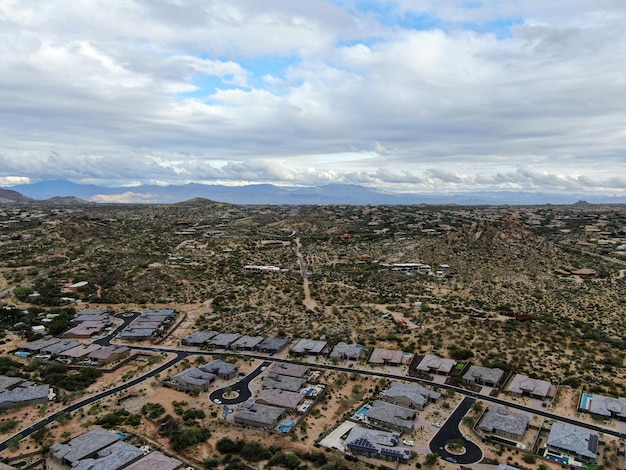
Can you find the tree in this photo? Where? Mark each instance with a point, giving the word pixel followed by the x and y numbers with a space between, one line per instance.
pixel 431 459
pixel 529 458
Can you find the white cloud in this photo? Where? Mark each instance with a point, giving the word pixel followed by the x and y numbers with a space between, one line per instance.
pixel 312 92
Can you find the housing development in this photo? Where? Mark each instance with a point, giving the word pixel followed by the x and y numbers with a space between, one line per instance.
pixel 159 337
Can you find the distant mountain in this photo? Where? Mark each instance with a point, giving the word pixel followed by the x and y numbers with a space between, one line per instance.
pixel 349 194
pixel 8 195
pixel 65 201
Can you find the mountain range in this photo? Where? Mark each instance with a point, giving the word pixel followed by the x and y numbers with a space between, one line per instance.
pixel 62 191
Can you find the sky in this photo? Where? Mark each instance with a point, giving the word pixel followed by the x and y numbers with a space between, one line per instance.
pixel 402 95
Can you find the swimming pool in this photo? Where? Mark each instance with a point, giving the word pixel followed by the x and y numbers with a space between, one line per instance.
pixel 286 427
pixel 363 410
pixel 22 354
pixel 585 401
pixel 559 459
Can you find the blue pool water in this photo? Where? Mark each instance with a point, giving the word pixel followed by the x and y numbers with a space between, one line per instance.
pixel 286 427
pixel 363 410
pixel 564 460
pixel 584 402
pixel 22 354
pixel 122 435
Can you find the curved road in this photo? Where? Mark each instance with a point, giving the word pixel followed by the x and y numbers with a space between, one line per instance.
pixel 450 430
pixel 242 388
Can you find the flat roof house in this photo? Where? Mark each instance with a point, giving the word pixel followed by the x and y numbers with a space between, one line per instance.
pixel 309 347
pixel 524 385
pixel 155 461
pixel 436 365
pixel 390 416
pixel 281 398
pixel 483 375
pixel 287 368
pixel 80 351
pixel 258 416
pixel 500 422
pixel 35 346
pixel 348 351
pixel 273 345
pixel 223 370
pixel 409 395
pixel 377 444
pixel 58 348
pixel 199 338
pixel 386 357
pixel 566 439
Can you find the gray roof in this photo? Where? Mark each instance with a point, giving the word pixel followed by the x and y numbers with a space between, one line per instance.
pixel 200 337
pixel 440 364
pixel 375 441
pixel 607 406
pixel 81 350
pixel 40 343
pixel 14 390
pixel 224 340
pixel 498 418
pixel 84 445
pixel 524 384
pixel 381 356
pixel 219 367
pixel 391 414
pixel 155 461
pixel 283 382
pixel 309 346
pixel 572 439
pixel 343 349
pixel 61 346
pixel 485 374
pixel 282 398
pixel 107 351
pixel 287 368
pixel 247 342
pixel 273 344
pixel 194 377
pixel 414 392
pixel 82 317
pixel 113 457
pixel 137 332
pixel 261 414
pixel 168 312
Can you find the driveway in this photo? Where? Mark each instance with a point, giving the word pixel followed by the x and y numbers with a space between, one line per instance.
pixel 241 387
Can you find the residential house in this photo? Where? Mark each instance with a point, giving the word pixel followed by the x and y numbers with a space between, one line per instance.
pixel 347 351
pixel 523 385
pixel 309 347
pixel 114 457
pixel 86 329
pixel 247 343
pixel 436 365
pixel 223 370
pixel 223 340
pixel 607 407
pixel 258 416
pixel 390 416
pixel 568 440
pixel 483 375
pixel 283 382
pixel 385 357
pixel 191 379
pixel 60 346
pixel 155 461
pixel 108 353
pixel 79 352
pixel 377 444
pixel 287 368
pixel 272 345
pixel 409 395
pixel 16 390
pixel 84 446
pixel 500 422
pixel 199 338
pixel 281 398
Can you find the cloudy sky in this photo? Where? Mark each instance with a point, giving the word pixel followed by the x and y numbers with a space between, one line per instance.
pixel 404 95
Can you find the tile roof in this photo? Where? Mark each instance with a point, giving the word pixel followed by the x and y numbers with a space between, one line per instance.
pixel 414 392
pixel 524 384
pixel 570 438
pixel 498 418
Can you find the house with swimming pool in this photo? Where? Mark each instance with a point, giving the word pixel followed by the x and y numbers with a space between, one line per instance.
pixel 602 406
pixel 567 442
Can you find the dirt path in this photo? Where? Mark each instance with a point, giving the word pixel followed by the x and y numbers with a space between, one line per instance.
pixel 308 302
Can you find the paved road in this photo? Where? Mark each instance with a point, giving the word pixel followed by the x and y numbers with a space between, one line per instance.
pixel 127 318
pixel 450 430
pixel 88 401
pixel 242 388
